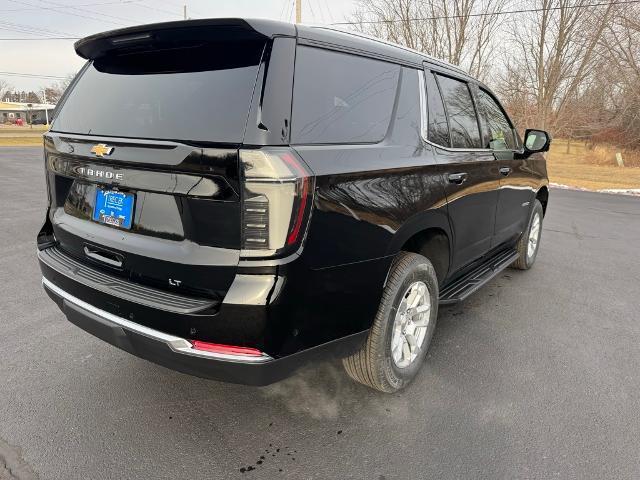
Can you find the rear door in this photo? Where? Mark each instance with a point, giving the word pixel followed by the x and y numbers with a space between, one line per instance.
pixel 471 171
pixel 516 180
pixel 142 163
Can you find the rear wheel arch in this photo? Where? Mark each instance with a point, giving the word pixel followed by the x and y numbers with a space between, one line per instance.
pixel 427 234
pixel 434 244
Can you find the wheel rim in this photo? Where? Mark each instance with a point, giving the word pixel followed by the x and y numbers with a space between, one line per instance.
pixel 534 236
pixel 411 324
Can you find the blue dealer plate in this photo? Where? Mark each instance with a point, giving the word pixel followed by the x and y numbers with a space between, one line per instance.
pixel 114 208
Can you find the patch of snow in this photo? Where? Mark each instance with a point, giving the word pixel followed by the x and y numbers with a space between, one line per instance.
pixel 616 191
pixel 622 191
pixel 568 187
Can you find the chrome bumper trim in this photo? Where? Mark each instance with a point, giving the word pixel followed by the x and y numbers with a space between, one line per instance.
pixel 177 344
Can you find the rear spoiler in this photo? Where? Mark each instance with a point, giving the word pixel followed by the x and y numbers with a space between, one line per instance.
pixel 181 33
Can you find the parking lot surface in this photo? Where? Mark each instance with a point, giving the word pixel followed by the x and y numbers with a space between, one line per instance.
pixel 535 376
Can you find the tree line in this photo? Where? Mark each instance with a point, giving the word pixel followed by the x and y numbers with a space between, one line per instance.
pixel 47 94
pixel 567 66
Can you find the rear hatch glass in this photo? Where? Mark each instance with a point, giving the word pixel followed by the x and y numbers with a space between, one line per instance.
pixel 200 94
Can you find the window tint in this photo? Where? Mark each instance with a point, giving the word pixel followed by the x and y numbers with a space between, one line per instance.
pixel 463 122
pixel 341 98
pixel 408 121
pixel 438 126
pixel 179 94
pixel 498 133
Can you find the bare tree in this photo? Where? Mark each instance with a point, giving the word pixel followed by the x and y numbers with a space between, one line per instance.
pixel 621 41
pixel 4 89
pixel 450 30
pixel 54 91
pixel 555 50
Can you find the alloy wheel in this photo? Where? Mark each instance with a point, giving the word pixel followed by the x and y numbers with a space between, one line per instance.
pixel 534 236
pixel 411 324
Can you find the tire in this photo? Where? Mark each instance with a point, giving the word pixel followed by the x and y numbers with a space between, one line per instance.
pixel 527 256
pixel 375 365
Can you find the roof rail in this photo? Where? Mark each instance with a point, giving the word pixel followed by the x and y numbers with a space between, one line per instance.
pixel 429 58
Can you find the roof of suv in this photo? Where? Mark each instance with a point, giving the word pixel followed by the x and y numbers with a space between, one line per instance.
pixel 101 44
pixel 359 42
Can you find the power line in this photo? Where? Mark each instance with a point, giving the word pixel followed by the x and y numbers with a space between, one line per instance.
pixel 29 28
pixel 10 29
pixel 286 12
pixel 17 27
pixel 64 9
pixel 321 7
pixel 58 10
pixel 121 2
pixel 37 39
pixel 128 20
pixel 178 5
pixel 156 9
pixel 284 4
pixel 489 14
pixel 292 13
pixel 102 17
pixel 324 2
pixel 94 12
pixel 313 13
pixel 31 75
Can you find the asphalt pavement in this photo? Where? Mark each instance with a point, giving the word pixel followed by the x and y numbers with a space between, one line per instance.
pixel 536 376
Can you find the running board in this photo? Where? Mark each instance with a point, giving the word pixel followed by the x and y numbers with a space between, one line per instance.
pixel 476 278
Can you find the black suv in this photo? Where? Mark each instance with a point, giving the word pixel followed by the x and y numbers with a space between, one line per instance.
pixel 232 198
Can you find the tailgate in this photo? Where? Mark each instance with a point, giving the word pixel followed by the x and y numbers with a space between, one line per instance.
pixel 185 220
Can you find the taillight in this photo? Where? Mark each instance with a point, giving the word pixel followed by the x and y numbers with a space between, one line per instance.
pixel 276 197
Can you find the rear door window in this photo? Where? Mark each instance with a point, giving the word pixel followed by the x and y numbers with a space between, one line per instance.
pixel 198 94
pixel 341 98
pixel 438 126
pixel 463 121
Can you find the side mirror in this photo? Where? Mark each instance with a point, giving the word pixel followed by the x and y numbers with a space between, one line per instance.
pixel 536 140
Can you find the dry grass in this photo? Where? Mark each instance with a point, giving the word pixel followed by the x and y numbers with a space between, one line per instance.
pixel 21 141
pixel 7 129
pixel 594 169
pixel 26 136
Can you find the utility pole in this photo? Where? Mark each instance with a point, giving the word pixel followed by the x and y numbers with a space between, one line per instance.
pixel 298 11
pixel 184 11
pixel 44 100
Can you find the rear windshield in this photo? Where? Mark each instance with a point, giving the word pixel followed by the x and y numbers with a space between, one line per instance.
pixel 200 94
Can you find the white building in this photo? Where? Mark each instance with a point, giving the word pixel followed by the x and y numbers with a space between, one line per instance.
pixel 30 113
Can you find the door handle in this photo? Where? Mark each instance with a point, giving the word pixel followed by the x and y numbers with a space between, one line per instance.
pixel 457 178
pixel 109 258
pixel 505 171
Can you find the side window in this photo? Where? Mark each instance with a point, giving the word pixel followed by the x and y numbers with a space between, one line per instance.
pixel 463 122
pixel 498 133
pixel 438 128
pixel 410 118
pixel 341 98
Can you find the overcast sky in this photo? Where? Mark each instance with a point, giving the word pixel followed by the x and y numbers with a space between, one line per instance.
pixel 78 18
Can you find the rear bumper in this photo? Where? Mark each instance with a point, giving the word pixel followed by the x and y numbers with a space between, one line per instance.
pixel 177 353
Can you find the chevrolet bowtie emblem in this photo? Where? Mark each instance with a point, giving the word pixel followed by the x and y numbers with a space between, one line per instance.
pixel 101 150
